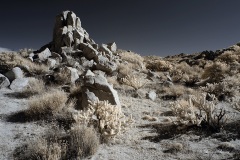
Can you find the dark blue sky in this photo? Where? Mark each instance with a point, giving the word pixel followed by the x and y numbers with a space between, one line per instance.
pixel 148 27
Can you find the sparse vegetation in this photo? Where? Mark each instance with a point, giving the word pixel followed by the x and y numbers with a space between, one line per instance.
pixel 11 60
pixel 46 104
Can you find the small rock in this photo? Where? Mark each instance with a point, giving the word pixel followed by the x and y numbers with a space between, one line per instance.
pixel 19 84
pixel 44 54
pixel 4 82
pixel 15 73
pixel 51 62
pixel 152 95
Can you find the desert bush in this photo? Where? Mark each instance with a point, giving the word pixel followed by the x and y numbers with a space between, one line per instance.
pixel 174 91
pixel 221 90
pixel 35 86
pixel 40 149
pixel 199 111
pixel 184 73
pixel 228 57
pixel 78 143
pixel 159 65
pixel 46 104
pixel 107 118
pixel 83 142
pixel 132 58
pixel 215 72
pixel 125 68
pixel 15 60
pixel 186 113
pixel 133 81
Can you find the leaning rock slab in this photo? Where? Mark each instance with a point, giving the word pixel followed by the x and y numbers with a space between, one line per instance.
pixel 15 73
pixel 44 54
pixel 4 82
pixel 101 88
pixel 19 84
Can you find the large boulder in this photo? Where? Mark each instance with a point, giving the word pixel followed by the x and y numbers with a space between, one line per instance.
pixel 44 54
pixel 104 64
pixel 4 82
pixel 98 85
pixel 19 84
pixel 15 73
pixel 88 51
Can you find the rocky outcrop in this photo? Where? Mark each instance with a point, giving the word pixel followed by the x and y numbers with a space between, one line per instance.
pixel 70 38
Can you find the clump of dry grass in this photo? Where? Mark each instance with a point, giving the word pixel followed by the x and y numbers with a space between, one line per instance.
pixel 133 81
pixel 83 142
pixel 79 143
pixel 46 104
pixel 40 149
pixel 135 59
pixel 159 65
pixel 35 86
pixel 12 60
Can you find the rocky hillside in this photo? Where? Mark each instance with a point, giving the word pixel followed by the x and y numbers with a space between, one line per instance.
pixel 98 102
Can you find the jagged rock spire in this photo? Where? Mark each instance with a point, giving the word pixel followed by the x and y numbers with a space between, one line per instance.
pixel 68 32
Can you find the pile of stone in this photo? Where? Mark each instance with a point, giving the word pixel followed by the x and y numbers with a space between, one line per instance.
pixel 75 55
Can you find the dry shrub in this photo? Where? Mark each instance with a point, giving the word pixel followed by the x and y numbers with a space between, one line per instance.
pixel 107 118
pixel 83 142
pixel 35 86
pixel 215 72
pixel 199 111
pixel 175 91
pixel 133 81
pixel 46 104
pixel 15 60
pixel 159 65
pixel 221 90
pixel 41 149
pixel 182 72
pixel 229 57
pixel 186 113
pixel 132 58
pixel 78 143
pixel 125 68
